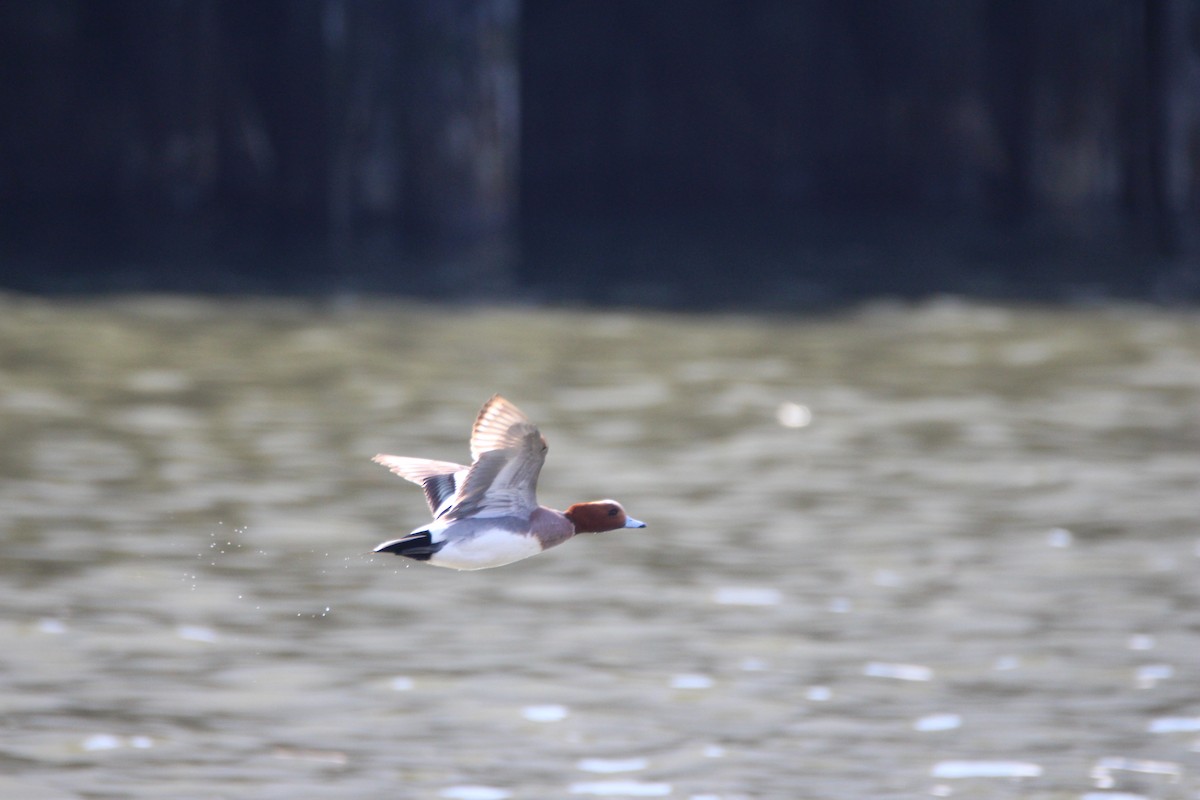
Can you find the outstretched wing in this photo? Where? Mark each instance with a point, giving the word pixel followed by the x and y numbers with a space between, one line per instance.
pixel 499 426
pixel 441 480
pixel 509 452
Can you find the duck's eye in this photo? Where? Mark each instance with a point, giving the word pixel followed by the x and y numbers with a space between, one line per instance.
pixel 612 511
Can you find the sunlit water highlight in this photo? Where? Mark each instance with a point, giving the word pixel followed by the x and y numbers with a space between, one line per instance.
pixel 947 550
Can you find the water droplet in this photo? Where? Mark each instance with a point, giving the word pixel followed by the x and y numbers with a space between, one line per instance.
pixel 546 713
pixel 621 789
pixel 1059 537
pixel 101 741
pixel 819 694
pixel 1174 725
pixel 475 793
pixel 985 769
pixel 1006 663
pixel 691 681
pixel 196 633
pixel 1147 676
pixel 840 605
pixel 938 722
pixel 747 596
pixel 793 415
pixel 887 577
pixel 900 672
pixel 611 764
pixel 1102 772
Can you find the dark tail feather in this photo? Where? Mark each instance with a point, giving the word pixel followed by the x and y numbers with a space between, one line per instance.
pixel 418 545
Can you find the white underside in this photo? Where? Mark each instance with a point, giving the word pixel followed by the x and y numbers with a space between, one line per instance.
pixel 490 549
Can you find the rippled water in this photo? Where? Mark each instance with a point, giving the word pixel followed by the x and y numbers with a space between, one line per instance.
pixel 947 550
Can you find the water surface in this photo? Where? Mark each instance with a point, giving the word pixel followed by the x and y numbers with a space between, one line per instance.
pixel 943 550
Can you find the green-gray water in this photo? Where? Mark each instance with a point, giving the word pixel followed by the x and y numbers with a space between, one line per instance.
pixel 944 550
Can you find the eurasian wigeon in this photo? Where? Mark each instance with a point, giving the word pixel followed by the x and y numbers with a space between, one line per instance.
pixel 487 514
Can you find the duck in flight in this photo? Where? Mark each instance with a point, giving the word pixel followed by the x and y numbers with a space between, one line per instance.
pixel 487 514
